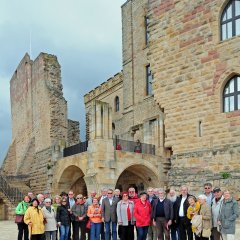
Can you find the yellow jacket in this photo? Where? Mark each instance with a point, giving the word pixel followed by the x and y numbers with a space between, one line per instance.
pixel 35 216
pixel 194 209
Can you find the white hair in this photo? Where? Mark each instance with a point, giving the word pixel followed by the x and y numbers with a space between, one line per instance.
pixel 203 197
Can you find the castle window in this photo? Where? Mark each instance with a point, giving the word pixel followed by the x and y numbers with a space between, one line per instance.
pixel 149 78
pixel 147 33
pixel 231 95
pixel 117 107
pixel 230 20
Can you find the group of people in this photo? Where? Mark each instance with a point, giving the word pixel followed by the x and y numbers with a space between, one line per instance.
pixel 153 215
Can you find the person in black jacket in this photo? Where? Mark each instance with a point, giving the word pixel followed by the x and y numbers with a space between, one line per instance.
pixel 162 215
pixel 184 224
pixel 63 219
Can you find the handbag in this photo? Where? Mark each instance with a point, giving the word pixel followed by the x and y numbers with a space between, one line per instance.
pixel 88 226
pixel 206 233
pixel 19 218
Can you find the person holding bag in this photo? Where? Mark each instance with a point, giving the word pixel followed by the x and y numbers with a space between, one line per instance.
pixel 20 211
pixel 205 212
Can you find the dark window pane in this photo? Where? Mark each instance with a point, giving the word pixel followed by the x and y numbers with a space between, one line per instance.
pixel 238 101
pixel 238 83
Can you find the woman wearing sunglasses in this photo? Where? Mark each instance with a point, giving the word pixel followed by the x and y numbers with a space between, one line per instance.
pixel 63 219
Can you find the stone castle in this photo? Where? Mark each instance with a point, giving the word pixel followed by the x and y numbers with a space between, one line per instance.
pixel 178 93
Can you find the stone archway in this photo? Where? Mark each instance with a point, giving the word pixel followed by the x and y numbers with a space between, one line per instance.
pixel 138 176
pixel 72 178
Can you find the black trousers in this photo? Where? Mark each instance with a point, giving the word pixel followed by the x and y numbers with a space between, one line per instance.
pixel 22 229
pixel 127 232
pixel 185 229
pixel 37 237
pixel 81 225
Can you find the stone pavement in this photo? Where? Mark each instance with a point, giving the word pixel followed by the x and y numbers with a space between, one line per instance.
pixel 8 230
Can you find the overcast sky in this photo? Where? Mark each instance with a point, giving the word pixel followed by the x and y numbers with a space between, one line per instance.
pixel 84 35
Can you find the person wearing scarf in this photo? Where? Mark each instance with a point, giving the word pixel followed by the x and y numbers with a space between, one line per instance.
pixel 79 211
pixel 49 214
pixel 125 217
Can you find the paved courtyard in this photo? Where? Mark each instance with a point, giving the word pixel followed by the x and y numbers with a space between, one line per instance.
pixel 8 230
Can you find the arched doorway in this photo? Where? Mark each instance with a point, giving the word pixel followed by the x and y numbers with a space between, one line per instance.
pixel 72 179
pixel 138 176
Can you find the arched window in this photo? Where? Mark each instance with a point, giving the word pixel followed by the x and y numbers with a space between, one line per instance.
pixel 230 20
pixel 231 95
pixel 117 107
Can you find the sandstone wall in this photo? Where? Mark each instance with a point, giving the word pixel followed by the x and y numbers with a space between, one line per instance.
pixel 191 66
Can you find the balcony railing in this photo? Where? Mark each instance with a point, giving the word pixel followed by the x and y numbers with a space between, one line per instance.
pixel 119 144
pixel 131 146
pixel 75 149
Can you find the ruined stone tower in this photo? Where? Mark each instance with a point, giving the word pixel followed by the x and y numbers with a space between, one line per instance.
pixel 40 127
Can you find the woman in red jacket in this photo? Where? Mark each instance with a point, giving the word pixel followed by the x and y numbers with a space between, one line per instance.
pixel 142 214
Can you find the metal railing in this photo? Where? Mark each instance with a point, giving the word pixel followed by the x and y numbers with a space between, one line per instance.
pixel 131 146
pixel 13 194
pixel 75 149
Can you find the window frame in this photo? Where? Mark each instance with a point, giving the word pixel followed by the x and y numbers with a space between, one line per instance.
pixel 149 79
pixel 235 94
pixel 231 20
pixel 117 104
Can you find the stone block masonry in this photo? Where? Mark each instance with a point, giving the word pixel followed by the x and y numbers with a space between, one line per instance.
pixel 39 120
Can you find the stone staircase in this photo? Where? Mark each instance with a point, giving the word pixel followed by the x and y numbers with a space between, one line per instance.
pixel 9 208
pixel 167 165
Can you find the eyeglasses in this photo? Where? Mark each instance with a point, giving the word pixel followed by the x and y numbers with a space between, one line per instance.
pixel 47 202
pixel 70 194
pixel 79 198
pixel 207 188
pixel 64 201
pixel 131 191
pixel 110 193
pixel 125 195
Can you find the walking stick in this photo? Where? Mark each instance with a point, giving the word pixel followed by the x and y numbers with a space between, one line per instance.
pixel 30 232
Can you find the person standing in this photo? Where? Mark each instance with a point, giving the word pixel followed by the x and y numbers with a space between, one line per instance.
pixel 142 213
pixel 103 195
pixel 49 214
pixel 172 196
pixel 162 215
pixel 184 224
pixel 34 219
pixel 152 231
pixel 109 215
pixel 205 212
pixel 208 193
pixel 21 210
pixel 70 202
pixel 79 211
pixel 227 217
pixel 125 217
pixel 63 219
pixel 216 208
pixel 95 215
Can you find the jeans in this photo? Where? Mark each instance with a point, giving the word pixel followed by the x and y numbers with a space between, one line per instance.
pixel 114 230
pixel 95 231
pixel 64 230
pixel 142 233
pixel 174 232
pixel 22 229
pixel 50 235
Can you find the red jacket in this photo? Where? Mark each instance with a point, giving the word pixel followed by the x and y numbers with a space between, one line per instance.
pixel 142 213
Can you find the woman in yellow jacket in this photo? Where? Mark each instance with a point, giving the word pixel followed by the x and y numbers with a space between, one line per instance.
pixel 193 209
pixel 34 219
